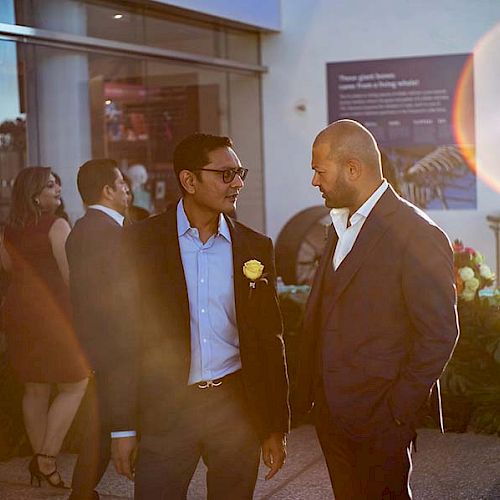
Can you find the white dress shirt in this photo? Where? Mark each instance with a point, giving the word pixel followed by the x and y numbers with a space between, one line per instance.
pixel 348 234
pixel 116 216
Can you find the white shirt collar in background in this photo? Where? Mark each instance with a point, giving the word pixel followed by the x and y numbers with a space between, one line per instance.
pixel 116 216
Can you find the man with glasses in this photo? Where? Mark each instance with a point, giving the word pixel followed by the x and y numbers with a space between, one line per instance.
pixel 203 328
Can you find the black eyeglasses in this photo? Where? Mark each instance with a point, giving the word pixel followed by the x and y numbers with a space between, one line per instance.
pixel 229 174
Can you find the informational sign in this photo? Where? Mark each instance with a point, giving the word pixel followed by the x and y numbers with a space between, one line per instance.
pixel 408 104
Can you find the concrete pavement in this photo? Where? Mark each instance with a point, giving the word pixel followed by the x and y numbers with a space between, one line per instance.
pixel 449 467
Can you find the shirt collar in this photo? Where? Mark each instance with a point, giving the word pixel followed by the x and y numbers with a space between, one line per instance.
pixel 116 216
pixel 340 216
pixel 368 205
pixel 183 225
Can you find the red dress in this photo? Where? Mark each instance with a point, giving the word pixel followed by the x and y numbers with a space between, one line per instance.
pixel 41 342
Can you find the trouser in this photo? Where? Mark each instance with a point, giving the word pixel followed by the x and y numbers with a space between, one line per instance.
pixel 366 469
pixel 213 424
pixel 95 448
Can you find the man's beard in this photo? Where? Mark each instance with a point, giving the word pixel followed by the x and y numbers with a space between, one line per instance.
pixel 343 196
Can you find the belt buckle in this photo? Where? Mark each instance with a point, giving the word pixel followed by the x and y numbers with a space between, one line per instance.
pixel 206 384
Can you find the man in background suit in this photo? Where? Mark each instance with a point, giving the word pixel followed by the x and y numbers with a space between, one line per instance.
pixel 380 324
pixel 211 379
pixel 92 249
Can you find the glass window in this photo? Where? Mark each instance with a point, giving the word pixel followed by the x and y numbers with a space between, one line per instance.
pixel 246 132
pixel 12 123
pixel 140 110
pixel 7 11
pixel 171 32
pixel 243 46
pixel 84 104
pixel 121 23
pixel 133 23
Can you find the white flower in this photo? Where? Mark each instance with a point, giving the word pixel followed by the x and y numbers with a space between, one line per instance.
pixel 466 273
pixel 478 258
pixel 485 272
pixel 471 284
pixel 468 295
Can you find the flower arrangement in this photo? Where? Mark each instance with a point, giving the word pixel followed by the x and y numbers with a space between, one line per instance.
pixel 471 273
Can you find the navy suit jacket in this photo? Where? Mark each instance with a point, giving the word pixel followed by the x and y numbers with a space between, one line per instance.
pixel 92 250
pixel 391 324
pixel 150 384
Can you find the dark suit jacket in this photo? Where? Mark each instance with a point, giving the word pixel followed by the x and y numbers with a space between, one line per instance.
pixel 92 250
pixel 391 325
pixel 151 385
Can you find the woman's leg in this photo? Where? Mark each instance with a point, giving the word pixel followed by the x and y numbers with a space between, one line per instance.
pixel 35 408
pixel 59 419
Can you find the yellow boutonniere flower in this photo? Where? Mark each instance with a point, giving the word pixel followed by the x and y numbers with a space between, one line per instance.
pixel 252 269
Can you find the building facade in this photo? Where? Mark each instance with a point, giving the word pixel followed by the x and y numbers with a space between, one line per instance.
pixel 84 79
pixel 128 79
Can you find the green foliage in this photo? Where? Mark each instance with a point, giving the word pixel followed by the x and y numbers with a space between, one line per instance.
pixel 471 381
pixel 293 302
pixel 472 378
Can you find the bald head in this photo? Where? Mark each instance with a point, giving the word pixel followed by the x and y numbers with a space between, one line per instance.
pixel 349 140
pixel 347 165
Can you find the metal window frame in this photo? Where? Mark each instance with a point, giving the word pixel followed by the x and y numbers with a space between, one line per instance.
pixel 24 34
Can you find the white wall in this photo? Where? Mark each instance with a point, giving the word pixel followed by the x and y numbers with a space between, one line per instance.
pixel 315 32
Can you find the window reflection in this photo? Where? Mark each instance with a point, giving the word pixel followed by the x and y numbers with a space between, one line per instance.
pixel 83 104
pixel 12 124
pixel 7 11
pixel 135 23
pixel 140 110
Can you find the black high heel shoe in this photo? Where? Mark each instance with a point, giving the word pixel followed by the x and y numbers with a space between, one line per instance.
pixel 37 475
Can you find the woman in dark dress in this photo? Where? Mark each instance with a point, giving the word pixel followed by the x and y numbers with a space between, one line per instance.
pixel 41 343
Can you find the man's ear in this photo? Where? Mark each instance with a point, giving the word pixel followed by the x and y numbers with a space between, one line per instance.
pixel 107 192
pixel 354 169
pixel 188 181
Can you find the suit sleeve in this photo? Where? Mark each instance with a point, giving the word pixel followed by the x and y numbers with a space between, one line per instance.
pixel 271 338
pixel 123 377
pixel 430 296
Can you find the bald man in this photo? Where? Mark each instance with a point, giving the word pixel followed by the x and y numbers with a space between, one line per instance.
pixel 381 321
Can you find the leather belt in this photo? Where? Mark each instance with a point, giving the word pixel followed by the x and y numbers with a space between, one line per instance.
pixel 210 384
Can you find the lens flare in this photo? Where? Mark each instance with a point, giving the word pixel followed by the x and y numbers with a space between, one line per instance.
pixel 463 114
pixel 482 66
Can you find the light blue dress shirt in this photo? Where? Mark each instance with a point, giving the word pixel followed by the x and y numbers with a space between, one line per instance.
pixel 208 269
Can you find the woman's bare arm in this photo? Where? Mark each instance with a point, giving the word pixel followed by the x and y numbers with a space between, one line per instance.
pixel 57 235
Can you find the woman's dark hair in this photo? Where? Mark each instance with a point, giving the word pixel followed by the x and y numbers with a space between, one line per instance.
pixel 29 183
pixel 61 209
pixel 192 152
pixel 93 176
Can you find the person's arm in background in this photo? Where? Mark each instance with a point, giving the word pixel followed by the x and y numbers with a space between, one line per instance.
pixel 58 235
pixel 123 373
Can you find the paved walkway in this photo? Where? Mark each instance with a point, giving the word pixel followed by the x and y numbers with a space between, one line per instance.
pixel 449 467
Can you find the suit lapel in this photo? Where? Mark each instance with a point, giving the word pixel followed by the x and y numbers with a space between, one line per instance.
pixel 314 299
pixel 241 253
pixel 372 231
pixel 171 263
